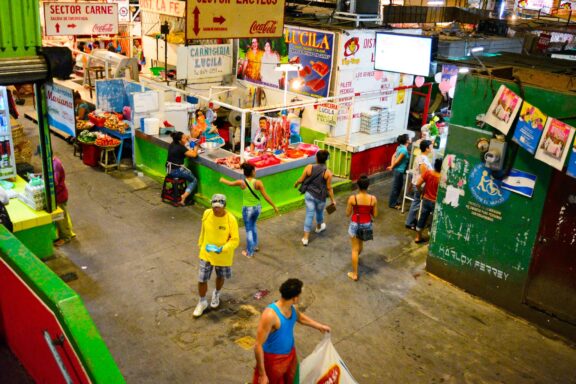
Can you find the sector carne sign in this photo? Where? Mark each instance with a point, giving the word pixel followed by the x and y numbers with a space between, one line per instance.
pixel 70 19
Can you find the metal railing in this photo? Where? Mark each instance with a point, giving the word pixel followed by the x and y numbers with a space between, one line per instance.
pixel 340 159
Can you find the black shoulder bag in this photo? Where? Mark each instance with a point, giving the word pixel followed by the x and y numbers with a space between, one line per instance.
pixel 363 234
pixel 250 188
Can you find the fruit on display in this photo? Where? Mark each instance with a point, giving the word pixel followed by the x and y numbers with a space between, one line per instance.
pixel 115 123
pixel 106 141
pixel 87 137
pixel 83 124
pixel 99 118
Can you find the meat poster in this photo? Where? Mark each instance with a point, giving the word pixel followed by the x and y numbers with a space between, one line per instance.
pixel 555 143
pixel 313 49
pixel 503 109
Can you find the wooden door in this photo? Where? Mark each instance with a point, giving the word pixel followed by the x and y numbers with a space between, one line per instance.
pixel 551 284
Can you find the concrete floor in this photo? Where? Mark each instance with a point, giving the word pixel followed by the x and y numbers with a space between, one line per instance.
pixel 136 259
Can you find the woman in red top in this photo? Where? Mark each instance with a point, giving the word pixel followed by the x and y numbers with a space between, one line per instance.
pixel 362 208
pixel 431 180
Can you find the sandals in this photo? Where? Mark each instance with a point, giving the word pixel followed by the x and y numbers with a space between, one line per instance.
pixel 245 253
pixel 420 241
pixel 351 276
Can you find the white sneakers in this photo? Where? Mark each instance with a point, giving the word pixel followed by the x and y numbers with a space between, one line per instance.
pixel 203 304
pixel 215 302
pixel 199 310
pixel 304 242
pixel 321 229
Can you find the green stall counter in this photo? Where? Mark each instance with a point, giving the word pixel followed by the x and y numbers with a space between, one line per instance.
pixel 151 152
pixel 35 229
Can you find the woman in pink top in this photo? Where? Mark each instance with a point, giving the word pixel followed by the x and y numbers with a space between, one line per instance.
pixel 361 208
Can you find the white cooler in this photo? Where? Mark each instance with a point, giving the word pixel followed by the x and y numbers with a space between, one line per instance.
pixel 177 115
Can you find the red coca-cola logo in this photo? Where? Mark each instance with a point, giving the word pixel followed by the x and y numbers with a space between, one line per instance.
pixel 266 27
pixel 103 28
pixel 331 377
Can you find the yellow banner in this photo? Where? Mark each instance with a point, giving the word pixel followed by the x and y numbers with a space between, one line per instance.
pixel 211 19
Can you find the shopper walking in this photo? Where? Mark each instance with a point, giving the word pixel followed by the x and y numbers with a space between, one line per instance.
pixel 316 185
pixel 64 225
pixel 362 208
pixel 177 152
pixel 276 361
pixel 421 165
pixel 251 207
pixel 398 166
pixel 4 216
pixel 218 240
pixel 431 180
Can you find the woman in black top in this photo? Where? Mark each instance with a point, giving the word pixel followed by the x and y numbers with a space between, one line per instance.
pixel 177 153
pixel 316 183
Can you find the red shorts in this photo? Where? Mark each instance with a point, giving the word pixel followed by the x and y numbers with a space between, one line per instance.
pixel 280 369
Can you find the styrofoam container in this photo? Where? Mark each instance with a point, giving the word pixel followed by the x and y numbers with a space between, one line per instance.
pixel 152 126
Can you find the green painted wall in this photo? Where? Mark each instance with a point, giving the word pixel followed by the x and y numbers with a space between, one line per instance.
pixel 66 305
pixel 39 240
pixel 488 250
pixel 19 28
pixel 309 135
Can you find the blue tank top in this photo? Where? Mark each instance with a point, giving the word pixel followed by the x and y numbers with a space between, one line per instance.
pixel 281 341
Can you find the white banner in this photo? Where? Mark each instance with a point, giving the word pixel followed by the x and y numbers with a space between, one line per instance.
pixel 164 7
pixel 60 102
pixel 123 10
pixel 327 114
pixel 200 61
pixel 71 19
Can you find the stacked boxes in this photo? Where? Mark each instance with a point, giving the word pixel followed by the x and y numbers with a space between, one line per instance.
pixel 33 195
pixel 377 120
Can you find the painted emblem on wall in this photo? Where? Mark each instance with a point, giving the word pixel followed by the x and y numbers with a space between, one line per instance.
pixel 486 189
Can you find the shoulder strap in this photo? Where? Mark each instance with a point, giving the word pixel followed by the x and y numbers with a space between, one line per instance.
pixel 250 188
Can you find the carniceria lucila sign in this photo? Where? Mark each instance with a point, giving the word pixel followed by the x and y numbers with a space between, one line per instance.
pixel 198 61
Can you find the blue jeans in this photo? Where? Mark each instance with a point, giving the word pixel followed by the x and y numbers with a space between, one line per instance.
pixel 397 184
pixel 250 216
pixel 313 205
pixel 183 173
pixel 414 208
pixel 427 210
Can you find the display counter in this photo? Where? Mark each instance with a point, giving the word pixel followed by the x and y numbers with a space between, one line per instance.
pixel 151 152
pixel 34 229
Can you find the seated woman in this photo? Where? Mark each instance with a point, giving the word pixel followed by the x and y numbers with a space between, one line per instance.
pixel 81 108
pixel 177 153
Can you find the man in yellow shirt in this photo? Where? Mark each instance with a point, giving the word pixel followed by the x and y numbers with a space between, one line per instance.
pixel 218 239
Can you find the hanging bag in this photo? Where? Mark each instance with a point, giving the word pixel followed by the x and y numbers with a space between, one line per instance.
pixel 363 234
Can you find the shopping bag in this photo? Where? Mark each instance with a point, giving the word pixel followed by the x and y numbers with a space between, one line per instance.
pixel 324 366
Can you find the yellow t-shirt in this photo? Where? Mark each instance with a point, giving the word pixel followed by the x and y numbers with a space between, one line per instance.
pixel 219 231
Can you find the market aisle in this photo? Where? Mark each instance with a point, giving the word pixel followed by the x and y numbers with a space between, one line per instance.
pixel 137 265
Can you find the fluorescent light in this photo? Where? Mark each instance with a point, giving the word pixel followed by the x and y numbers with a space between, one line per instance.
pixel 435 3
pixel 288 67
pixel 463 70
pixel 477 49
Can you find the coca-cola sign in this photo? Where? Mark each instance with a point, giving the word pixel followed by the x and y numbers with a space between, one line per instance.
pixel 268 27
pixel 103 28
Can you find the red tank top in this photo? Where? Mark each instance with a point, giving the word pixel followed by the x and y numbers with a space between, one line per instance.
pixel 362 214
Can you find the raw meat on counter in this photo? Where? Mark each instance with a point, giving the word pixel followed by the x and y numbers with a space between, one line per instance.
pixel 232 162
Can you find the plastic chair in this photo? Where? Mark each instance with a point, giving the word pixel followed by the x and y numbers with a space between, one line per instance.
pixel 173 189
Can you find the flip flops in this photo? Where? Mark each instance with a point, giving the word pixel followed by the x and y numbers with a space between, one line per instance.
pixel 351 276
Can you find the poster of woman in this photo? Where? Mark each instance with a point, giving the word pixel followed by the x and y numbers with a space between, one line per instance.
pixel 503 109
pixel 555 143
pixel 529 127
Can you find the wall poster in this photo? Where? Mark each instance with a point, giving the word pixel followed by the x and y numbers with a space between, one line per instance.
pixel 529 127
pixel 313 49
pixel 503 109
pixel 555 143
pixel 572 161
pixel 60 101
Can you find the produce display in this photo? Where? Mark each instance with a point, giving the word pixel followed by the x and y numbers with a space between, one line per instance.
pixel 83 124
pixel 98 118
pixel 87 137
pixel 115 123
pixel 106 141
pixel 232 162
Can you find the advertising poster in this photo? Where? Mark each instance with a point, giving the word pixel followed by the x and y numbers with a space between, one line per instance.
pixel 448 78
pixel 555 143
pixel 60 101
pixel 529 127
pixel 503 109
pixel 201 61
pixel 313 49
pixel 572 161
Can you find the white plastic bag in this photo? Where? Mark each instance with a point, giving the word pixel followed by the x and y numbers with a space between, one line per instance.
pixel 324 366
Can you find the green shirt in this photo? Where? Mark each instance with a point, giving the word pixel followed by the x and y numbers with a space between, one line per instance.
pixel 248 199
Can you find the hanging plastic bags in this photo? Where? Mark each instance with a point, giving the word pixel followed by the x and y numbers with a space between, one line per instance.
pixel 324 366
